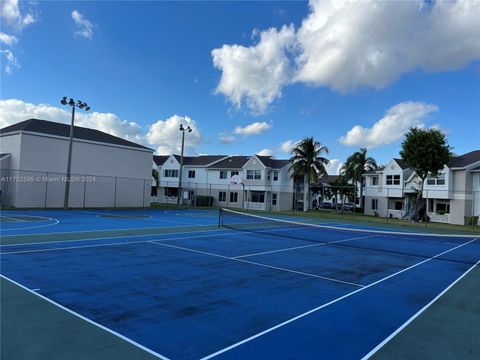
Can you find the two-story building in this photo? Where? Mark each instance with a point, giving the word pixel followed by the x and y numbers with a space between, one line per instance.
pixel 450 197
pixel 249 182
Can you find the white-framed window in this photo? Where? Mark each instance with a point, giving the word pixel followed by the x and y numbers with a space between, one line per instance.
pixel 374 180
pixel 171 192
pixel 269 173
pixel 274 199
pixel 398 205
pixel 234 196
pixel 439 180
pixel 275 176
pixel 233 173
pixel 374 204
pixel 258 175
pixel 393 180
pixel 257 196
pixel 170 173
pixel 191 174
pixel 222 196
pixel 223 174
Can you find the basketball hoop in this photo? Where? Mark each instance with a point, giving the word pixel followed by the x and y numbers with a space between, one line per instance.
pixel 236 180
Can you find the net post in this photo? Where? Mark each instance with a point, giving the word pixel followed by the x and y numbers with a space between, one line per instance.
pixel 220 217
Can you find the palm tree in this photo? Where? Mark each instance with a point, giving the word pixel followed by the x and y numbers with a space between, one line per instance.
pixel 306 161
pixel 356 166
pixel 156 177
pixel 340 190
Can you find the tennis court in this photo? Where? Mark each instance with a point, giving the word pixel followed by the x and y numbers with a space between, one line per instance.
pixel 175 285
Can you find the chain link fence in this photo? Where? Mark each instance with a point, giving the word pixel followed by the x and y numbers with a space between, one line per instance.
pixel 35 189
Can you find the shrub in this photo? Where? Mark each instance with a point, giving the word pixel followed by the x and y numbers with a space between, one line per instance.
pixel 206 201
pixel 471 220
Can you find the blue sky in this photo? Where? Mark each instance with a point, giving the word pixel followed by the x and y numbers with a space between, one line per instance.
pixel 249 77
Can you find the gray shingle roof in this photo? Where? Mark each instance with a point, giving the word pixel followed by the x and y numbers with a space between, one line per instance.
pixel 401 163
pixel 63 130
pixel 465 159
pixel 160 159
pixel 270 162
pixel 232 162
pixel 201 160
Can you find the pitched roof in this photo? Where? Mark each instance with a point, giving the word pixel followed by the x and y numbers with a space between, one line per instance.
pixel 232 162
pixel 465 159
pixel 270 162
pixel 201 160
pixel 327 179
pixel 401 163
pixel 63 130
pixel 160 159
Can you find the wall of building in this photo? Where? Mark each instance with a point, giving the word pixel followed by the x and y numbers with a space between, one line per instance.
pixel 102 175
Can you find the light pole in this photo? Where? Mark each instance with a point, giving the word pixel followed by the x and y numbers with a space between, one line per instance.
pixel 182 129
pixel 80 105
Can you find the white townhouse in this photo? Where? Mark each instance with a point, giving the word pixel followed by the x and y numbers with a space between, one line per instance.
pixel 250 182
pixel 107 171
pixel 449 197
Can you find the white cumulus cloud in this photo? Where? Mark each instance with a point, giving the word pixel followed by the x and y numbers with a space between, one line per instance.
pixel 167 139
pixel 287 146
pixel 253 129
pixel 84 26
pixel 7 39
pixel 15 17
pixel 255 74
pixel 333 167
pixel 265 152
pixel 11 61
pixel 396 122
pixel 344 45
pixel 226 139
pixel 163 135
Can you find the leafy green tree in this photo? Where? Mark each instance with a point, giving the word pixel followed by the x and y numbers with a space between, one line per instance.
pixel 356 166
pixel 426 152
pixel 306 161
pixel 156 177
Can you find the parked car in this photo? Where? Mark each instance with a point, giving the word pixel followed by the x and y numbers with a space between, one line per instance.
pixel 348 207
pixel 326 205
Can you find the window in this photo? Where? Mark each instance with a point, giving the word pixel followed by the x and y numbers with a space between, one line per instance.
pixel 249 174
pixel 258 174
pixel 398 205
pixel 374 180
pixel 257 196
pixel 191 174
pixel 268 175
pixel 275 176
pixel 222 196
pixel 443 208
pixel 274 199
pixel 171 192
pixel 439 180
pixel 374 204
pixel 393 179
pixel 223 174
pixel 170 173
pixel 153 191
pixel 233 197
pixel 233 173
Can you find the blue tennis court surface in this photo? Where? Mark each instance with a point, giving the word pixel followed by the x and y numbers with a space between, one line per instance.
pixel 233 293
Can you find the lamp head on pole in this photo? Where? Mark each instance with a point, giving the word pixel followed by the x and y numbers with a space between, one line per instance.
pixel 64 100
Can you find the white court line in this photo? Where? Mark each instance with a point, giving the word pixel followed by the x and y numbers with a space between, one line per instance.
pixel 113 332
pixel 405 324
pixel 11 218
pixel 258 264
pixel 302 247
pixel 329 303
pixel 100 245
pixel 109 237
pixel 101 230
pixel 56 221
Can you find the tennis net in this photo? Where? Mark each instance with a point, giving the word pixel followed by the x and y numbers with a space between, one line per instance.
pixel 458 248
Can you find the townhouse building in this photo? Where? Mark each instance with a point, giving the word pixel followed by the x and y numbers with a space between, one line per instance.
pixel 249 182
pixel 450 197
